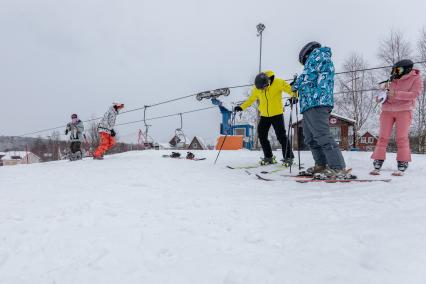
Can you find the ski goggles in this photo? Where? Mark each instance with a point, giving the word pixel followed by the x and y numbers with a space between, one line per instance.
pixel 397 70
pixel 119 106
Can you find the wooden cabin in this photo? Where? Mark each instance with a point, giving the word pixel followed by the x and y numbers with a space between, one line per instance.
pixel 197 143
pixel 367 142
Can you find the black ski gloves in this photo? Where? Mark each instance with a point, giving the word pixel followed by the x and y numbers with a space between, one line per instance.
pixel 291 101
pixel 112 133
pixel 237 109
pixel 294 100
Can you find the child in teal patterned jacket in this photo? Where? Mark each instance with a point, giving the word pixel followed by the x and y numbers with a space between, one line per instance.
pixel 315 87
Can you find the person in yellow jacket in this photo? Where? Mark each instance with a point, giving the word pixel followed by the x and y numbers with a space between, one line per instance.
pixel 268 91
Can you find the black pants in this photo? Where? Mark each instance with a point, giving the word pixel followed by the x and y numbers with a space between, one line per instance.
pixel 277 122
pixel 75 146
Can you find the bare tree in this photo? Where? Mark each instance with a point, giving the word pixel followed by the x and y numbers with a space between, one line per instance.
pixel 39 148
pixel 356 102
pixel 54 145
pixel 394 48
pixel 93 135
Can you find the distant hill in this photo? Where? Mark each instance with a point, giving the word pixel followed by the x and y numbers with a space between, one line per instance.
pixel 15 143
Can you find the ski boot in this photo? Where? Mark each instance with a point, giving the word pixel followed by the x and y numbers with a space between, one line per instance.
pixel 402 166
pixel 98 157
pixel 75 156
pixel 377 166
pixel 287 162
pixel 175 155
pixel 317 169
pixel 190 156
pixel 268 161
pixel 335 174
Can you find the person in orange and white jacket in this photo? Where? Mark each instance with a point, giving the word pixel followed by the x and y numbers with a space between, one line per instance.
pixel 106 131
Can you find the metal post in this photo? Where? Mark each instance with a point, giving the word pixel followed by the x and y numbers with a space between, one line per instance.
pixel 26 149
pixel 146 125
pixel 260 28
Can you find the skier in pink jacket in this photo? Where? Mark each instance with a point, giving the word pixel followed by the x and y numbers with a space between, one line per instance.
pixel 404 86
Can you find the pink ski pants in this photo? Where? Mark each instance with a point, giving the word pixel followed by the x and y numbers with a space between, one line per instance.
pixel 402 121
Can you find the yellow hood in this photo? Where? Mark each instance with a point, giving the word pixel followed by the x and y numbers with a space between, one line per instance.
pixel 269 73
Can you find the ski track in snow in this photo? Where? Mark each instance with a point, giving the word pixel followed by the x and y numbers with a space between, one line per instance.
pixel 139 218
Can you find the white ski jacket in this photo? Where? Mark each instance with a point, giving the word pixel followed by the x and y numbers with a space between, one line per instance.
pixel 107 123
pixel 76 131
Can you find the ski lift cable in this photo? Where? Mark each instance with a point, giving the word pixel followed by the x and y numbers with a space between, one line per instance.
pixel 166 116
pixel 145 107
pixel 192 95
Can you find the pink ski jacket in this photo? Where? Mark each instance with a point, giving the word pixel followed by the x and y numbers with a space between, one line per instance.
pixel 407 88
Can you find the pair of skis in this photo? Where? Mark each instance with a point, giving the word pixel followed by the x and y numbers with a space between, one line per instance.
pixel 266 170
pixel 311 179
pixel 184 158
pixel 213 94
pixel 300 178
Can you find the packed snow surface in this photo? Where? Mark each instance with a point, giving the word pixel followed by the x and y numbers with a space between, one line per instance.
pixel 140 218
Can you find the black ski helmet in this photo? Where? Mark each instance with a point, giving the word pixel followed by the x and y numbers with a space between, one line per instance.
pixel 261 81
pixel 401 68
pixel 306 51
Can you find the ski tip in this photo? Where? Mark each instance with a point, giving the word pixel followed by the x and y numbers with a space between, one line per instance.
pixel 262 178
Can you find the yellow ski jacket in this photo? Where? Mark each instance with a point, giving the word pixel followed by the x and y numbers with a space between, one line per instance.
pixel 270 99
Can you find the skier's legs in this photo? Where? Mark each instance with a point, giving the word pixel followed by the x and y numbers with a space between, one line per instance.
pixel 317 153
pixel 75 146
pixel 318 119
pixel 263 130
pixel 402 125
pixel 387 120
pixel 278 124
pixel 104 145
pixel 72 147
pixel 111 142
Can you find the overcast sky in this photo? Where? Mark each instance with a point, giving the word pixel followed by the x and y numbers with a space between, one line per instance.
pixel 60 57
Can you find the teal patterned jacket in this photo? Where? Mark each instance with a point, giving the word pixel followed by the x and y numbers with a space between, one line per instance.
pixel 316 84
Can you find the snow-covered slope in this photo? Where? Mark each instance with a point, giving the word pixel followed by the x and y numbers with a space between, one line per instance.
pixel 140 218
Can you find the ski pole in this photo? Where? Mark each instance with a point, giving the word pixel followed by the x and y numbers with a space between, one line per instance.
pixel 290 122
pixel 289 140
pixel 298 136
pixel 226 136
